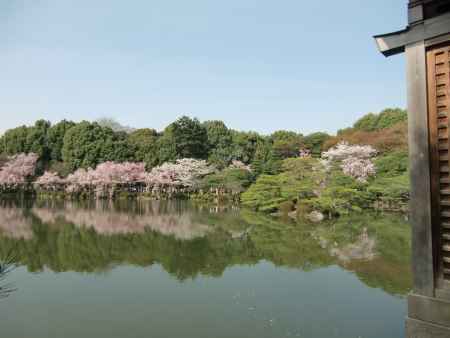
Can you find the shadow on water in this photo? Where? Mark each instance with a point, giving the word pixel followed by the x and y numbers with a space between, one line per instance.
pixel 189 241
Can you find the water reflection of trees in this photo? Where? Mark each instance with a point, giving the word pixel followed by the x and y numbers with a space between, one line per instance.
pixel 6 266
pixel 188 241
pixel 112 222
pixel 14 224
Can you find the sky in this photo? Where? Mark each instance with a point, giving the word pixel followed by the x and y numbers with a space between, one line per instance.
pixel 259 65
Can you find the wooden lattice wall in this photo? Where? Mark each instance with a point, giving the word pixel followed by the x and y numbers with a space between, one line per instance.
pixel 438 68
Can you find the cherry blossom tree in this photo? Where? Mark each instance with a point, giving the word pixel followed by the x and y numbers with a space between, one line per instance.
pixel 121 173
pixel 17 170
pixel 360 169
pixel 185 172
pixel 102 180
pixel 109 174
pixel 49 181
pixel 344 150
pixel 354 160
pixel 80 179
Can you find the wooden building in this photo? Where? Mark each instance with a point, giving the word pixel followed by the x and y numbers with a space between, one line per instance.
pixel 426 43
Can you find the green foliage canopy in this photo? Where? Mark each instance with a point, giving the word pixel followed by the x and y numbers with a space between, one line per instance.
pixel 387 118
pixel 55 137
pixel 315 141
pixel 220 143
pixel 286 144
pixel 184 138
pixel 144 143
pixel 235 180
pixel 88 144
pixel 244 145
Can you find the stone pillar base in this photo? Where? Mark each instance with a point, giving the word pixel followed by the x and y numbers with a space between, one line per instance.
pixel 419 329
pixel 427 317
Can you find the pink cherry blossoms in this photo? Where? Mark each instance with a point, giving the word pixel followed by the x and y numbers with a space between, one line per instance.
pixel 354 160
pixel 184 173
pixel 50 181
pixel 360 169
pixel 122 173
pixel 106 174
pixel 105 220
pixel 344 150
pixel 18 168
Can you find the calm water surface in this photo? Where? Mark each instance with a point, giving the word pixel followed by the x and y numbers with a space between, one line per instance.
pixel 149 269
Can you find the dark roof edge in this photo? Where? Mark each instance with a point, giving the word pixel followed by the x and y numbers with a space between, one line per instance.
pixel 394 51
pixel 392 34
pixel 392 43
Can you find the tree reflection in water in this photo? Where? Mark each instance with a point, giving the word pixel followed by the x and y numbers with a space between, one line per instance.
pixel 188 241
pixel 6 266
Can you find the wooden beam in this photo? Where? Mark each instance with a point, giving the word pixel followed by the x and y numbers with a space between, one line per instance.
pixel 420 203
pixel 394 43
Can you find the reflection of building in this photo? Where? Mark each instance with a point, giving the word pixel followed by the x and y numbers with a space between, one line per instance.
pixel 426 42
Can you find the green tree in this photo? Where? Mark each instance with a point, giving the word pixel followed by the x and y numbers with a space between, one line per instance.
pixel 391 116
pixel 393 164
pixel 55 138
pixel 236 180
pixel 27 139
pixel 386 119
pixel 285 135
pixel 367 123
pixel 184 138
pixel 265 161
pixel 286 143
pixel 220 143
pixel 117 148
pixel 14 141
pixel 37 139
pixel 244 145
pixel 144 144
pixel 88 144
pixel 315 141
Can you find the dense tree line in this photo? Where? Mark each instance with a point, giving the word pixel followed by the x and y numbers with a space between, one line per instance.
pixel 66 146
pixel 370 122
pixel 364 166
pixel 386 132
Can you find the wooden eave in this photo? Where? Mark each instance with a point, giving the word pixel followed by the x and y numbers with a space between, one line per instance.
pixel 394 43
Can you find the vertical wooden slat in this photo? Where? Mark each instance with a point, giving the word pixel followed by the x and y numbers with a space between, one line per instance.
pixel 438 77
pixel 440 69
pixel 436 145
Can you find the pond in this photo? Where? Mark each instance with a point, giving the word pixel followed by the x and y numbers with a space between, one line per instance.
pixel 174 269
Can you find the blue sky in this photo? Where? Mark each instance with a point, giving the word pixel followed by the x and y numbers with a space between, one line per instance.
pixel 258 65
